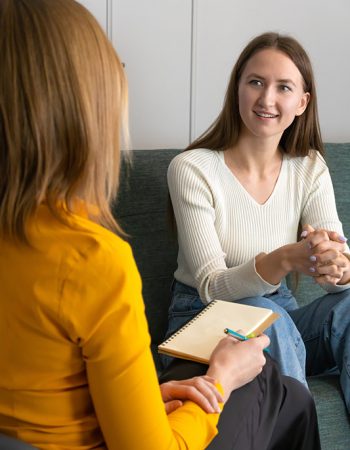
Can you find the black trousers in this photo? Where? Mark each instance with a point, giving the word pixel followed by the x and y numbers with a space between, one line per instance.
pixel 273 412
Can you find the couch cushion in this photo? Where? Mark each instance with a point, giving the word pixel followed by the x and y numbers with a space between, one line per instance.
pixel 332 415
pixel 141 209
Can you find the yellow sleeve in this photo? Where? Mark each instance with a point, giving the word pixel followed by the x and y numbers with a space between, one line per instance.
pixel 110 326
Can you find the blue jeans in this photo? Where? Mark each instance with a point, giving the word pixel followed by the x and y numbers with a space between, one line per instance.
pixel 304 341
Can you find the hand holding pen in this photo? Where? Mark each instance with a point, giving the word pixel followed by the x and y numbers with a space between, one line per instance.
pixel 236 363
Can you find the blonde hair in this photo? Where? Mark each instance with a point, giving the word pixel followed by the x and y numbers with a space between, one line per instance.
pixel 63 95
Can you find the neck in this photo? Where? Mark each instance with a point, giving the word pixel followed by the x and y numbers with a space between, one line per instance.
pixel 256 154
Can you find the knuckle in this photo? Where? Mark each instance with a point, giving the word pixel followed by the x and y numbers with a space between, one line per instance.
pixel 196 382
pixel 331 280
pixel 322 247
pixel 191 389
pixel 323 235
pixel 265 341
pixel 332 270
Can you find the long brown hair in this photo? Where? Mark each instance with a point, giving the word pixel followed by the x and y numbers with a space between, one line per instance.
pixel 62 97
pixel 301 136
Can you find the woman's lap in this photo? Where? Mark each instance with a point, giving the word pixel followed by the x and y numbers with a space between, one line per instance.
pixel 261 413
pixel 283 334
pixel 312 339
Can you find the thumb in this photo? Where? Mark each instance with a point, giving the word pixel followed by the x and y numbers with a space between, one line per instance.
pixel 307 229
pixel 172 406
pixel 263 340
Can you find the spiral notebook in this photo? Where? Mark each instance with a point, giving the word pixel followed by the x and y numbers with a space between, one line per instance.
pixel 197 339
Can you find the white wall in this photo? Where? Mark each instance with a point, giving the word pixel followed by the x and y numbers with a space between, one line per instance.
pixel 153 39
pixel 222 28
pixel 179 54
pixel 102 10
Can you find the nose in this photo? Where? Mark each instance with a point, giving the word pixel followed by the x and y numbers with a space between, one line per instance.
pixel 267 97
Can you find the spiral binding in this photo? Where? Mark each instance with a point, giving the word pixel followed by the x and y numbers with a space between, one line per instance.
pixel 173 336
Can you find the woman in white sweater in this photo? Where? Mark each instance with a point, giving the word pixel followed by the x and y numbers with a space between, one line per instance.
pixel 254 201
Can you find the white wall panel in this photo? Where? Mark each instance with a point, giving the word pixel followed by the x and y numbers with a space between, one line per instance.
pixel 153 39
pixel 99 8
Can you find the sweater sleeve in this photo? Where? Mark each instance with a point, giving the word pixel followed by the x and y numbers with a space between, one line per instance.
pixel 320 209
pixel 194 208
pixel 107 320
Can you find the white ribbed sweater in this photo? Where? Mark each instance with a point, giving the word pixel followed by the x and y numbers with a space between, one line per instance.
pixel 221 228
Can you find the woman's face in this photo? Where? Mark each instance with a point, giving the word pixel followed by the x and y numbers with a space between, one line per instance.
pixel 270 94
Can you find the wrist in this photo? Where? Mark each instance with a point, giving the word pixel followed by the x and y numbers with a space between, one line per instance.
pixel 274 266
pixel 224 378
pixel 285 260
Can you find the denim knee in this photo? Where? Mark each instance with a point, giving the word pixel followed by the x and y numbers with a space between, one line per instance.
pixel 339 322
pixel 284 329
pixel 264 302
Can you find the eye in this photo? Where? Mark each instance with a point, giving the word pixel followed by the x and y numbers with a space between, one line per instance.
pixel 256 83
pixel 285 88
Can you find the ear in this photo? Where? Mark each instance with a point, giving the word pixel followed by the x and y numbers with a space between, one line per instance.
pixel 304 101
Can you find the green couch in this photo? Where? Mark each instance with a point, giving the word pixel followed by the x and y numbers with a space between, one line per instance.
pixel 142 211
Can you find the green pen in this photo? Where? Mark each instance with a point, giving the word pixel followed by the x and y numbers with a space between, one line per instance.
pixel 238 336
pixel 241 337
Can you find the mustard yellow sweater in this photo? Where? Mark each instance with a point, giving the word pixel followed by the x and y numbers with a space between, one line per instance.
pixel 76 371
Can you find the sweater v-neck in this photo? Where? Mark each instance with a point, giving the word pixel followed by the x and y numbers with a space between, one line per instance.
pixel 244 190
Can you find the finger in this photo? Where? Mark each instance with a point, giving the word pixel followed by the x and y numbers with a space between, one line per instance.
pixel 331 270
pixel 326 279
pixel 209 390
pixel 172 405
pixel 334 236
pixel 312 272
pixel 210 382
pixel 203 397
pixel 324 246
pixel 231 339
pixel 324 257
pixel 206 385
pixel 262 340
pixel 200 391
pixel 306 230
pixel 317 237
pixel 332 257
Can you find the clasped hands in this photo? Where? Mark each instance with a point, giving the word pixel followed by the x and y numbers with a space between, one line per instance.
pixel 328 263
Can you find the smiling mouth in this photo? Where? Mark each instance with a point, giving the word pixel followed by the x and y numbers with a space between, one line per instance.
pixel 266 115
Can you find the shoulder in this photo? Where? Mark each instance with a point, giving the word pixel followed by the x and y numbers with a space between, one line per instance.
pixel 76 245
pixel 84 271
pixel 313 161
pixel 197 161
pixel 200 157
pixel 99 278
pixel 100 249
pixel 308 168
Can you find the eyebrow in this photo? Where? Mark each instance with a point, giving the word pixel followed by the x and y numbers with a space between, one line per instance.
pixel 283 80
